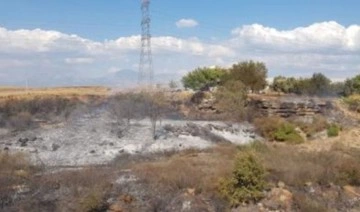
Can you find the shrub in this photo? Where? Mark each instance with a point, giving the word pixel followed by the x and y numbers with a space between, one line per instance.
pixel 333 130
pixel 278 129
pixel 286 133
pixel 247 182
pixel 230 99
pixel 267 126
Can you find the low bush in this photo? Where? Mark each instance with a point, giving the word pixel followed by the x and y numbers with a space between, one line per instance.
pixel 247 181
pixel 287 133
pixel 278 129
pixel 267 126
pixel 333 130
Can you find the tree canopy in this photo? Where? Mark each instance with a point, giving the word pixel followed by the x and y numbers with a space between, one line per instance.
pixel 352 86
pixel 317 85
pixel 252 74
pixel 201 77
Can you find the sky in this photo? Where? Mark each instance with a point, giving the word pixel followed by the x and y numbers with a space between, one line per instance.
pixel 88 42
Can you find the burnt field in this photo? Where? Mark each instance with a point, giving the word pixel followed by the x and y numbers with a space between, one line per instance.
pixel 151 153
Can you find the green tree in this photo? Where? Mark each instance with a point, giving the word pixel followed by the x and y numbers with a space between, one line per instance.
pixel 352 86
pixel 230 98
pixel 319 85
pixel 201 77
pixel 251 74
pixel 283 84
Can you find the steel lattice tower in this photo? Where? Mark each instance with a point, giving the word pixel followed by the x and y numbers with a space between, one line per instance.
pixel 145 65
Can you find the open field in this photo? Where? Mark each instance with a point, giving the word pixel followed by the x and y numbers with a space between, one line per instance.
pixel 24 93
pixel 151 154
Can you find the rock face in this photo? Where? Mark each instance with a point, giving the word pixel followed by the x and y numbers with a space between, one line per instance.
pixel 204 101
pixel 288 106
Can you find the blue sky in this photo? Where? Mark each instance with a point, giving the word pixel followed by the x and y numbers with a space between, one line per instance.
pixel 98 20
pixel 216 23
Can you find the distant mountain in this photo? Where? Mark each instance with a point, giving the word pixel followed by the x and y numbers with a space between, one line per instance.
pixel 122 79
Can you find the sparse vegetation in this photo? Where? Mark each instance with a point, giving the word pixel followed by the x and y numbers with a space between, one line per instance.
pixel 21 113
pixel 227 175
pixel 127 106
pixel 318 124
pixel 230 99
pixel 353 102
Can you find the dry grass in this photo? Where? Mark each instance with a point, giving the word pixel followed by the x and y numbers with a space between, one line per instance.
pixel 23 93
pixel 318 124
pixel 338 165
pixel 15 171
pixel 86 189
pixel 353 102
pixel 192 169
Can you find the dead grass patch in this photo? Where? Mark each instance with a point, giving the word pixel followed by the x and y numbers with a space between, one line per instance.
pixel 200 170
pixel 23 93
pixel 294 167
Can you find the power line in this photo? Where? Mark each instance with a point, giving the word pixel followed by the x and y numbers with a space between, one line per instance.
pixel 145 65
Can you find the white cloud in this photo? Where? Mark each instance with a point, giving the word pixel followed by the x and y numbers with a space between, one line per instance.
pixel 186 23
pixel 326 47
pixel 326 37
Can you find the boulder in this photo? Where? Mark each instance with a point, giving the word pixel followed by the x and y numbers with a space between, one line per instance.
pixel 278 199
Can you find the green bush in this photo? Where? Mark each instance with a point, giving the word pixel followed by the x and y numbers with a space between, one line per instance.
pixel 247 182
pixel 333 130
pixel 278 129
pixel 287 133
pixel 201 77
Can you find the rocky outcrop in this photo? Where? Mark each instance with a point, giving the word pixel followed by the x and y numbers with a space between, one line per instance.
pixel 290 106
pixel 204 101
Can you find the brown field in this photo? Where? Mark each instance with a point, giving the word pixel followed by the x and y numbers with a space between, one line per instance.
pixel 23 93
